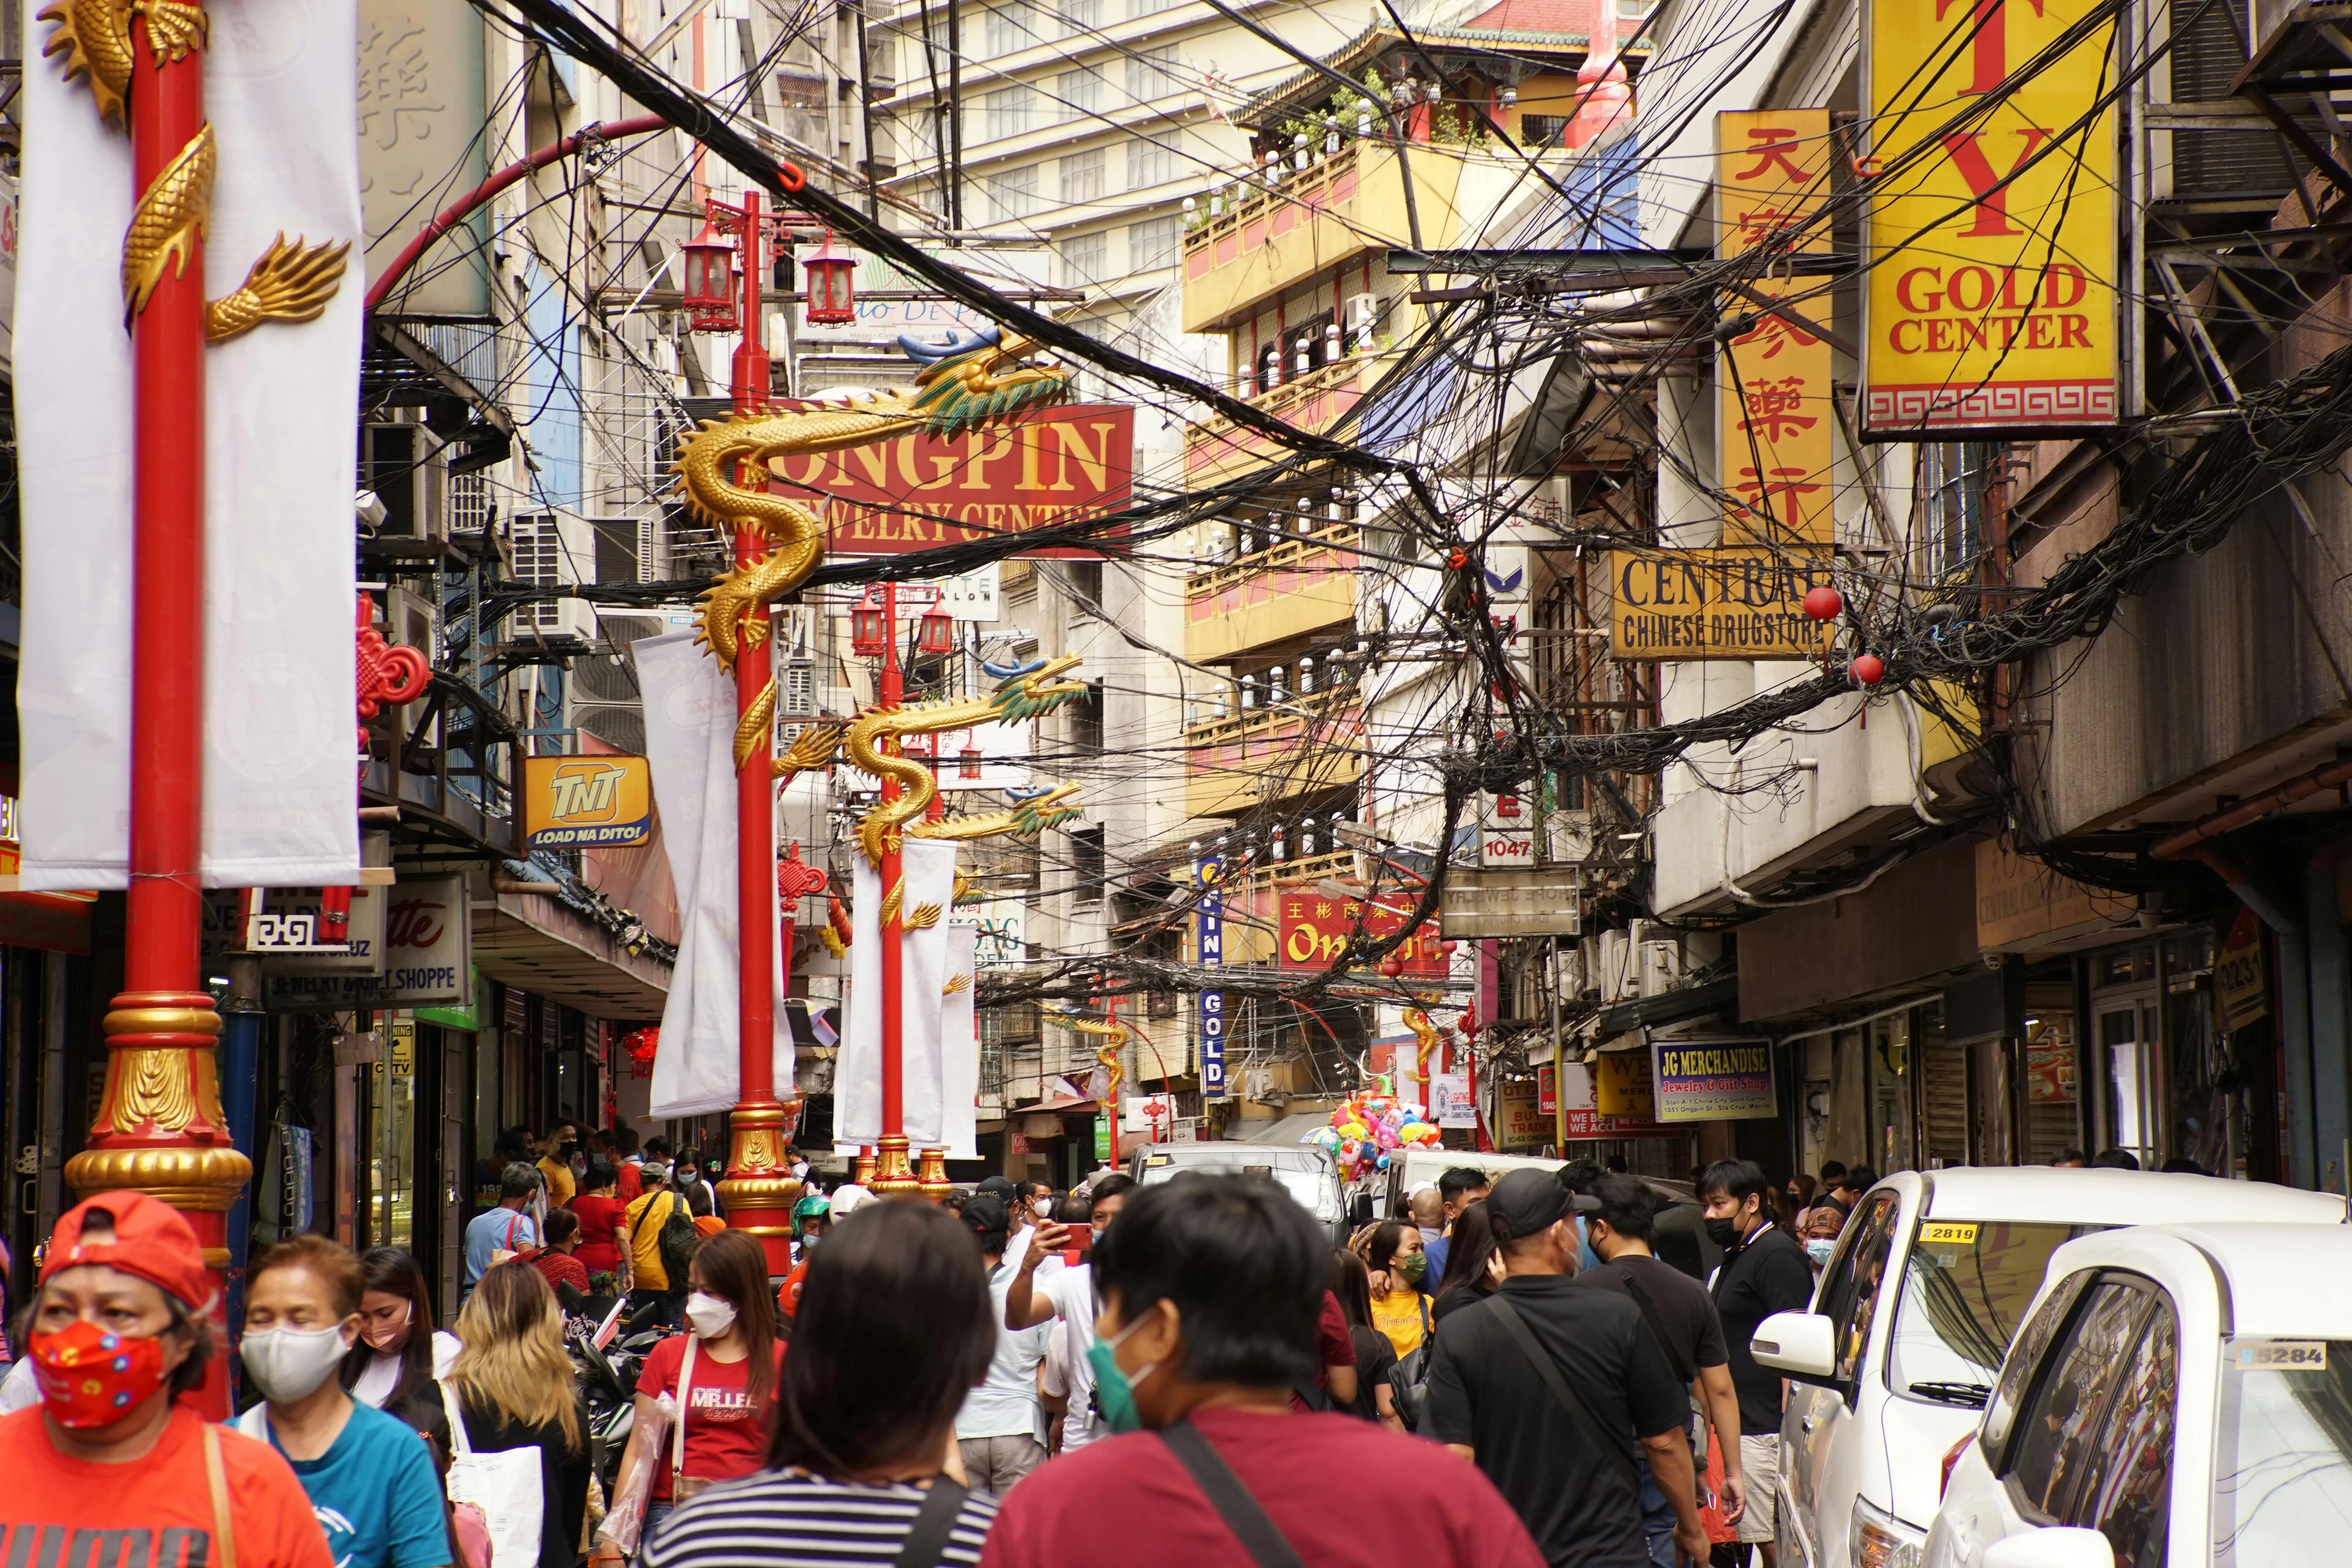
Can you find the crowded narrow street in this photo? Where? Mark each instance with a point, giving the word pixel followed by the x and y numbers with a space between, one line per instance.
pixel 1510 783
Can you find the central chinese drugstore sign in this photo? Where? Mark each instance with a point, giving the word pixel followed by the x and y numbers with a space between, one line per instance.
pixel 1991 235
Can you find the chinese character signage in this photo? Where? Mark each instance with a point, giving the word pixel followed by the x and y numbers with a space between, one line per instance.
pixel 1057 466
pixel 1313 928
pixel 587 802
pixel 1990 240
pixel 1208 933
pixel 1712 1081
pixel 1741 602
pixel 1774 417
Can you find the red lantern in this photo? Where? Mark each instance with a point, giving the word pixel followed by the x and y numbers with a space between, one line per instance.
pixel 1869 668
pixel 709 263
pixel 968 763
pixel 641 1045
pixel 1392 966
pixel 1823 602
pixel 869 630
pixel 832 295
pixel 935 634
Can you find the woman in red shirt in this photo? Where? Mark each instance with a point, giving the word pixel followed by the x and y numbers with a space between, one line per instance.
pixel 728 1403
pixel 602 1213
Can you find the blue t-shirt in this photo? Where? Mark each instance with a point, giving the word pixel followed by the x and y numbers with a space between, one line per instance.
pixel 1437 1251
pixel 376 1495
pixel 494 1230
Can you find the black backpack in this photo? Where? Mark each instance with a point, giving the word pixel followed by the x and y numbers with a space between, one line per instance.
pixel 678 1240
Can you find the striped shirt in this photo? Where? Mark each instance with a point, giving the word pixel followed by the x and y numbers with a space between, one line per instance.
pixel 785 1518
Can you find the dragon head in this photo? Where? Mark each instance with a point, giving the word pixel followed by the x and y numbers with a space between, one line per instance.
pixel 1026 691
pixel 1035 811
pixel 984 377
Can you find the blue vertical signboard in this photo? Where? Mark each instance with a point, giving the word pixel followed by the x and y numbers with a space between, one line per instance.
pixel 1211 914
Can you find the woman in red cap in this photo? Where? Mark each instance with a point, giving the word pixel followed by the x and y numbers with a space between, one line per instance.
pixel 116 1332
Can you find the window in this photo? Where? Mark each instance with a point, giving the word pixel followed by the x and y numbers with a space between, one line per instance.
pixel 1009 27
pixel 1086 860
pixel 1150 7
pixel 1012 195
pixel 2017 1374
pixel 2283 1467
pixel 1082 178
pixel 1851 1289
pixel 1009 111
pixel 2054 1440
pixel 1154 243
pixel 1084 259
pixel 1087 720
pixel 1965 1286
pixel 1081 17
pixel 1079 94
pixel 1542 130
pixel 1150 72
pixel 2126 1489
pixel 1951 487
pixel 1149 162
pixel 1087 580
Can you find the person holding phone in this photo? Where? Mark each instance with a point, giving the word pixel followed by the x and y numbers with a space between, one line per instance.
pixel 1032 1298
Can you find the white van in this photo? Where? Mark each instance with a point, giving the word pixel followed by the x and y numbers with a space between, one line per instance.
pixel 1305 1171
pixel 1912 1317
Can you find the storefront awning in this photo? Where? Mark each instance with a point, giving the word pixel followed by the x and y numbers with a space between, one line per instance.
pixel 539 945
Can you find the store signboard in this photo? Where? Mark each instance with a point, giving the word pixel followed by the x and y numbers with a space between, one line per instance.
pixel 1314 929
pixel 1523 1122
pixel 1712 1081
pixel 1989 266
pixel 1620 1085
pixel 1209 1008
pixel 427 958
pixel 2241 978
pixel 420 130
pixel 587 802
pixel 1449 1101
pixel 1736 602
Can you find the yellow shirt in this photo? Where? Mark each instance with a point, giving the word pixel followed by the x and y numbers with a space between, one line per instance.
pixel 1401 1315
pixel 645 1237
pixel 559 1181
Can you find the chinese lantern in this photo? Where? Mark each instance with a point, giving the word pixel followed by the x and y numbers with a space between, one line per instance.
pixel 936 632
pixel 1823 602
pixel 1869 668
pixel 832 295
pixel 709 263
pixel 1392 966
pixel 869 630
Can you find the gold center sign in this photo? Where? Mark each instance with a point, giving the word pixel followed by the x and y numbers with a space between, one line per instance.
pixel 1991 248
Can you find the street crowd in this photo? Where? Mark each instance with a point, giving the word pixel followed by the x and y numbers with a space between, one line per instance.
pixel 1500 1376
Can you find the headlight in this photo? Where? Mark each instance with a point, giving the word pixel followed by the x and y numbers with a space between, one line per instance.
pixel 1882 1540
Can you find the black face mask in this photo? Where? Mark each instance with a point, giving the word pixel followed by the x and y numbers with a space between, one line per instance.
pixel 1722 1232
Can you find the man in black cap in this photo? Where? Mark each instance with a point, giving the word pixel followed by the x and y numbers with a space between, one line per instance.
pixel 1557 1392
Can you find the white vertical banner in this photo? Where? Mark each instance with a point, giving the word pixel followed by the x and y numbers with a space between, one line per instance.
pixel 689 707
pixel 927 866
pixel 960 1045
pixel 279 794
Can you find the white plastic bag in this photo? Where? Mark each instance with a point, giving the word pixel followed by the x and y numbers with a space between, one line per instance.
pixel 504 1486
pixel 624 1520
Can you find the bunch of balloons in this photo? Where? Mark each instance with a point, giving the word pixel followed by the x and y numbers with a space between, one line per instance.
pixel 1373 1125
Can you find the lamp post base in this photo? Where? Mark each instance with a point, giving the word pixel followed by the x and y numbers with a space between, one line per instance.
pixel 931 1174
pixel 893 1177
pixel 760 1189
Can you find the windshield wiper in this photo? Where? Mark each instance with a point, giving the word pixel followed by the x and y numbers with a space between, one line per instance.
pixel 1972 1394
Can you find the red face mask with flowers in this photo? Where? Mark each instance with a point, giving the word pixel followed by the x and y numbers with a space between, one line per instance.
pixel 91 1377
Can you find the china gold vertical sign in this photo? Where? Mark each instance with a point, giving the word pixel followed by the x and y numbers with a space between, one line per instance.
pixel 1774 416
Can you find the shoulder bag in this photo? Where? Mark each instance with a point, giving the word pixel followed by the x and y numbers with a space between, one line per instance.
pixel 504 1489
pixel 1409 1381
pixel 681 1485
pixel 223 1553
pixel 1259 1536
pixel 1688 1374
pixel 1549 1370
pixel 927 1535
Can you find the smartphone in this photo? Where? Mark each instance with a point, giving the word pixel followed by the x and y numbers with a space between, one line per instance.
pixel 1082 1244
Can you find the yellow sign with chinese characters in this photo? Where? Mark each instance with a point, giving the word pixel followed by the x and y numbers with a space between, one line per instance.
pixel 1990 241
pixel 1774 416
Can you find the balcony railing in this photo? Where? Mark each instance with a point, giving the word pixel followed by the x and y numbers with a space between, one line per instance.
pixel 1293 551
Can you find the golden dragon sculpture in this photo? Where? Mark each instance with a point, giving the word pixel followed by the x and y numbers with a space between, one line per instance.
pixel 962 387
pixel 1425 1033
pixel 291 282
pixel 1115 1039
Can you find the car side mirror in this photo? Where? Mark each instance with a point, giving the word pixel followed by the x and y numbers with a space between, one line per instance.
pixel 1802 1345
pixel 2054 1546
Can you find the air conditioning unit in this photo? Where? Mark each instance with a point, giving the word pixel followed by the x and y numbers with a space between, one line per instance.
pixel 1363 312
pixel 401 464
pixel 1615 980
pixel 414 621
pixel 1658 958
pixel 652 549
pixel 552 549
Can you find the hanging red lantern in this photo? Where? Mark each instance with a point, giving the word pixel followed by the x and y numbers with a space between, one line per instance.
pixel 1823 602
pixel 641 1045
pixel 708 264
pixel 831 295
pixel 968 763
pixel 935 634
pixel 869 630
pixel 1392 966
pixel 1868 668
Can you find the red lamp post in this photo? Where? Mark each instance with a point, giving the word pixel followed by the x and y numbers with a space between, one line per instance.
pixel 760 1188
pixel 161 1128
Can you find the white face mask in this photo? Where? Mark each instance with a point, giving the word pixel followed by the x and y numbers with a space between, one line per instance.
pixel 708 1316
pixel 288 1364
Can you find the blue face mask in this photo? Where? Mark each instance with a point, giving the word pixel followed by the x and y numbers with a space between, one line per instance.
pixel 1585 1257
pixel 1114 1389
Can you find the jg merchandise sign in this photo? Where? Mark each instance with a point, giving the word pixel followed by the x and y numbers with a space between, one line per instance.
pixel 1712 1081
pixel 1210 933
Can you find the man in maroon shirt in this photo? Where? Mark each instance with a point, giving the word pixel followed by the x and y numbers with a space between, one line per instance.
pixel 1210 1287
